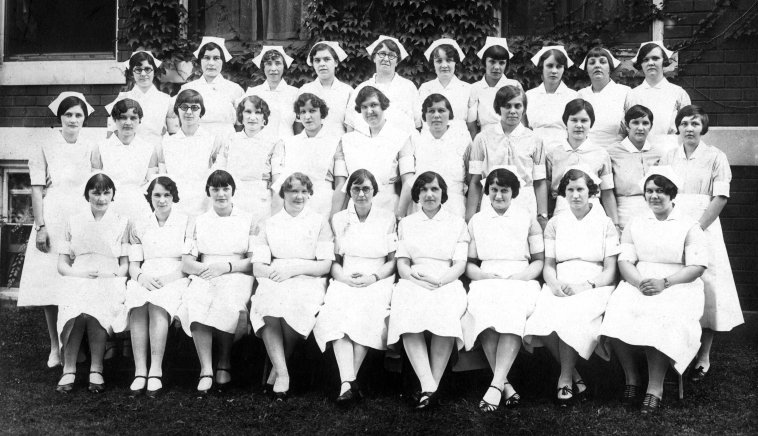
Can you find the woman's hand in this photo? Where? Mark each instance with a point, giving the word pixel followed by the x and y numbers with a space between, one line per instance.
pixel 423 283
pixel 359 280
pixel 149 282
pixel 559 289
pixel 87 273
pixel 432 280
pixel 576 288
pixel 214 270
pixel 523 276
pixel 43 240
pixel 279 273
pixel 650 287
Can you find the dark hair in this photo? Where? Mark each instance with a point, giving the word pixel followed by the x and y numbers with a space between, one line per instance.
pixel 450 52
pixel 506 94
pixel 272 55
pixel 300 177
pixel 321 47
pixel 559 57
pixel 219 179
pixel 502 177
pixel 99 182
pixel 692 110
pixel 168 184
pixel 574 174
pixel 136 61
pixel 669 188
pixel 577 105
pixel 496 53
pixel 316 102
pixel 432 99
pixel 367 92
pixel 422 180
pixel 211 46
pixel 601 52
pixel 122 106
pixel 647 48
pixel 638 111
pixel 360 176
pixel 69 102
pixel 391 46
pixel 258 103
pixel 189 96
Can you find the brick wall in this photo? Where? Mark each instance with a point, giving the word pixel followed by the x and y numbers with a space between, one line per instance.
pixel 26 106
pixel 740 223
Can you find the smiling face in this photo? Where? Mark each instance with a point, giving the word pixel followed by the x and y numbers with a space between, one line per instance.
pixel 552 71
pixel 599 69
pixel 72 120
pixel 500 197
pixel 437 117
pixel 578 126
pixel 385 60
pixel 274 69
pixel 161 199
pixel 430 196
pixel 324 64
pixel 494 68
pixel 362 193
pixel 100 200
pixel 691 129
pixel 652 63
pixel 639 128
pixel 444 67
pixel 658 201
pixel 252 118
pixel 128 122
pixel 372 112
pixel 211 63
pixel 310 117
pixel 296 197
pixel 512 112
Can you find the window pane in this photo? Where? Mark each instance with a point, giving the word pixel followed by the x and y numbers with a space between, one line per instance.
pixel 20 199
pixel 60 27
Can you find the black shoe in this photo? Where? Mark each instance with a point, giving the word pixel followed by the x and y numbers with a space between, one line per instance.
pixel 68 387
pixel 698 374
pixel 204 392
pixel 96 388
pixel 281 397
pixel 513 401
pixel 155 393
pixel 566 401
pixel 427 401
pixel 487 407
pixel 137 392
pixel 223 387
pixel 268 390
pixel 631 395
pixel 580 395
pixel 351 396
pixel 650 405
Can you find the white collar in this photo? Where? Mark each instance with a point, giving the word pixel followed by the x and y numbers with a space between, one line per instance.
pixel 235 211
pixel 695 154
pixel 440 216
pixel 491 213
pixel 172 218
pixel 676 214
pixel 583 147
pixel 283 85
pixel 305 213
pixel 519 131
pixel 660 85
pixel 561 89
pixel 218 80
pixel 500 83
pixel 200 132
pixel 628 146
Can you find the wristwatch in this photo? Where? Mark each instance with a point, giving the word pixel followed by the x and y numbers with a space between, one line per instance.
pixel 666 282
pixel 37 227
pixel 542 215
pixel 592 284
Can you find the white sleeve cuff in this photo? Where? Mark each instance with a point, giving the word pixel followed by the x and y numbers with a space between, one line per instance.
pixel 721 188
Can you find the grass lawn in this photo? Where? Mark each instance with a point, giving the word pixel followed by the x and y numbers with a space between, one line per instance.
pixel 726 403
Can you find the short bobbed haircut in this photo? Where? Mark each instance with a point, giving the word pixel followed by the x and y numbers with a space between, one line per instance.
pixel 211 46
pixel 577 105
pixel 502 177
pixel 638 111
pixel 422 180
pixel 122 106
pixel 69 102
pixel 669 188
pixel 272 55
pixel 645 50
pixel 432 99
pixel 600 52
pixel 506 94
pixel 367 92
pixel 316 102
pixel 360 176
pixel 496 53
pixel 99 182
pixel 559 57
pixel 290 180
pixel 692 110
pixel 258 103
pixel 390 45
pixel 137 59
pixel 574 174
pixel 321 47
pixel 219 179
pixel 168 184
pixel 450 53
pixel 189 96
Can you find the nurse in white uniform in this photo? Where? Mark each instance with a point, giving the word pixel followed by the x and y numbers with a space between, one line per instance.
pixel 279 94
pixel 325 57
pixel 445 54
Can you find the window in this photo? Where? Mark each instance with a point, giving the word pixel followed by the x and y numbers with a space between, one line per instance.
pixel 15 223
pixel 71 29
pixel 248 20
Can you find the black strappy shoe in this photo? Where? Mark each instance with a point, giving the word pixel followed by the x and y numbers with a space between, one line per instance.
pixel 564 402
pixel 427 401
pixel 631 396
pixel 514 400
pixel 351 396
pixel 487 407
pixel 580 395
pixel 68 387
pixel 96 388
pixel 650 405
pixel 698 374
pixel 137 392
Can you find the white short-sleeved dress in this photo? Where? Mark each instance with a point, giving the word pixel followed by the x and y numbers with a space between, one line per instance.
pixel 629 167
pixel 380 155
pixel 285 240
pixel 219 96
pixel 445 156
pixel 608 105
pixel 562 156
pixel 127 166
pixel 523 149
pixel 706 174
pixel 63 169
pixel 281 102
pixel 221 302
pixel 545 113
pixel 504 243
pixel 188 160
pixel 337 99
pixel 432 245
pixel 669 321
pixel 402 113
pixel 579 248
pixel 664 100
pixel 457 93
pixel 359 313
pixel 248 160
pixel 155 106
pixel 314 157
pixel 160 250
pixel 481 103
pixel 93 245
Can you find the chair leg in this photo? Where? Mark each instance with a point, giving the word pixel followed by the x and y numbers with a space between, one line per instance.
pixel 681 387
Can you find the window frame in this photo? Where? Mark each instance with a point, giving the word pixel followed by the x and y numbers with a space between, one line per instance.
pixel 6 169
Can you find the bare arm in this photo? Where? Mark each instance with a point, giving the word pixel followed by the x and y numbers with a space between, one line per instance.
pixel 709 214
pixel 473 196
pixel 609 204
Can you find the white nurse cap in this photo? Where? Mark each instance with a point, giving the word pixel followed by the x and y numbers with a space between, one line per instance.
pixel 666 171
pixel 614 62
pixel 536 58
pixel 219 42
pixel 382 38
pixel 492 41
pixel 148 52
pixel 441 41
pixel 586 170
pixel 121 96
pixel 341 55
pixel 278 48
pixel 64 95
pixel 668 52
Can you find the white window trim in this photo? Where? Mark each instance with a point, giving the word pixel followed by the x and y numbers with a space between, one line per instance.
pixel 75 72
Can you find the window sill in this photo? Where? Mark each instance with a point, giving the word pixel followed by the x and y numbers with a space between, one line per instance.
pixel 81 72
